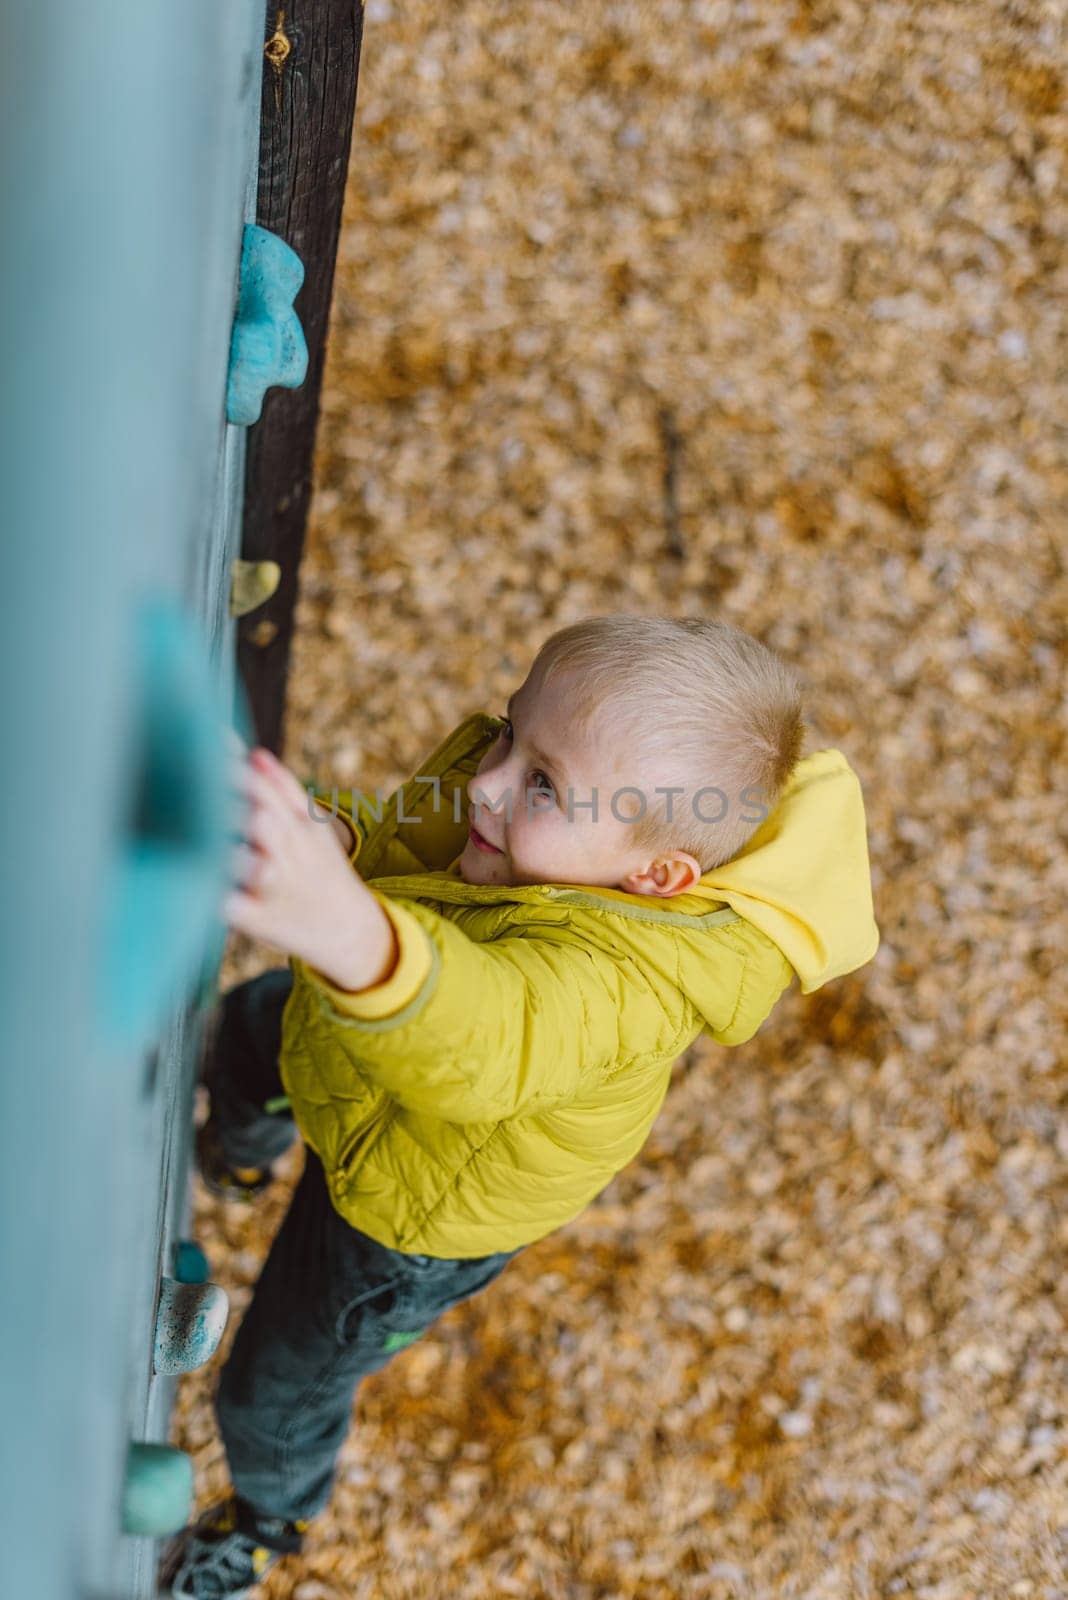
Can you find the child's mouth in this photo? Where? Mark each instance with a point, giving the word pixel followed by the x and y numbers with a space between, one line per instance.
pixel 482 844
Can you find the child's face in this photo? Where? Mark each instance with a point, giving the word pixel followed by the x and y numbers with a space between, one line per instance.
pixel 519 805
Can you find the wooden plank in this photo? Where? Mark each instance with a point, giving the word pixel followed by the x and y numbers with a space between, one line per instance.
pixel 311 68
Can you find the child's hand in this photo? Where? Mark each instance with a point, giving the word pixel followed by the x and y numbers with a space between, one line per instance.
pixel 295 887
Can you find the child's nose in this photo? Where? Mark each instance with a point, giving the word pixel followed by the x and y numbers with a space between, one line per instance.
pixel 487 788
pixel 478 788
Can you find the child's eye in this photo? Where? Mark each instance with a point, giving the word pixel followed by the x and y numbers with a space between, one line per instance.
pixel 542 783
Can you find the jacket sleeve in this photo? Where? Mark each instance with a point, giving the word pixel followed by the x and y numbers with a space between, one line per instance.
pixel 472 1032
pixel 352 809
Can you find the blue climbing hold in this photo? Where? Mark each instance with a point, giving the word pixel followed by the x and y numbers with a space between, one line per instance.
pixel 190 1262
pixel 171 859
pixel 190 1322
pixel 267 347
pixel 157 1496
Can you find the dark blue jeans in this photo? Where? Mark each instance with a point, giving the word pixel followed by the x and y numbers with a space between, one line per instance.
pixel 331 1304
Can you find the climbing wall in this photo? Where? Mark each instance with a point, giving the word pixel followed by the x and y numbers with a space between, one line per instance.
pixel 127 174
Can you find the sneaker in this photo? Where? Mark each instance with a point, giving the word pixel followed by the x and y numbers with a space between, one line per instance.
pixel 230 1183
pixel 226 1553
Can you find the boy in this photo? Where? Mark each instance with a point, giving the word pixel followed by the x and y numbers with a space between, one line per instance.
pixel 477 1027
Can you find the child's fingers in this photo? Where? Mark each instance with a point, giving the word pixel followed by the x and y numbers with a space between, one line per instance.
pixel 248 868
pixel 239 912
pixel 266 829
pixel 265 794
pixel 279 775
pixel 248 915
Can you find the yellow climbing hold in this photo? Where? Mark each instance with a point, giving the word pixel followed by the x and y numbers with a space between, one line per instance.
pixel 251 583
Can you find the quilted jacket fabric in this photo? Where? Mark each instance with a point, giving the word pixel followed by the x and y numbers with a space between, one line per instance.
pixel 518 1055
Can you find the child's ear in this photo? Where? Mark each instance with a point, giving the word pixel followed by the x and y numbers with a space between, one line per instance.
pixel 664 876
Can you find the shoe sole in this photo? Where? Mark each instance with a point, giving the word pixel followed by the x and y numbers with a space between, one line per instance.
pixel 175 1557
pixel 222 1189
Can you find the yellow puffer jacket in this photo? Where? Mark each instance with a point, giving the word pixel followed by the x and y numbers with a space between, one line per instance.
pixel 518 1055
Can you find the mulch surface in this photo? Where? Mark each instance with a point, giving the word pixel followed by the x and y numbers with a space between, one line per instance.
pixel 756 311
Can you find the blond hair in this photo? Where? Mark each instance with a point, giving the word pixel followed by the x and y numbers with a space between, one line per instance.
pixel 698 705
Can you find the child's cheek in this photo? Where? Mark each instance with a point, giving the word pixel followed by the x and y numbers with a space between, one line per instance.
pixel 539 844
pixel 524 851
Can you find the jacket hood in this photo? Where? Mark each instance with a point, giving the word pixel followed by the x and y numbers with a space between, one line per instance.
pixel 804 878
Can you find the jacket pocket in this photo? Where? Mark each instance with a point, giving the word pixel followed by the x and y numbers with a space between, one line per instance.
pixel 421 1297
pixel 397 1297
pixel 359 1317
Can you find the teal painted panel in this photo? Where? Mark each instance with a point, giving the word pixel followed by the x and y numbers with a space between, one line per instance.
pixel 127 168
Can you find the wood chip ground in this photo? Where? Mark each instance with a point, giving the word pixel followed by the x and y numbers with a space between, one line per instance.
pixel 755 310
